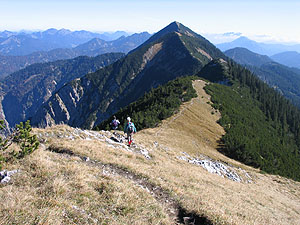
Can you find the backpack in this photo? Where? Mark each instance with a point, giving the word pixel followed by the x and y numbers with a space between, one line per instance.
pixel 115 123
pixel 130 128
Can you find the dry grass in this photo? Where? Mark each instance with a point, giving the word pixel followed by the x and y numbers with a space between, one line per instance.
pixel 49 186
pixel 52 189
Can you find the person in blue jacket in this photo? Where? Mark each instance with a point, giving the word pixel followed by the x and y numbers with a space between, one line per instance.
pixel 129 129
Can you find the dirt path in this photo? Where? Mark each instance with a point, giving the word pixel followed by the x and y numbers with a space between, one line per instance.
pixel 185 107
pixel 172 207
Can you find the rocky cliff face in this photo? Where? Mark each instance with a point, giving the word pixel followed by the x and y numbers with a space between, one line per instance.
pixel 25 91
pixel 166 55
pixel 63 106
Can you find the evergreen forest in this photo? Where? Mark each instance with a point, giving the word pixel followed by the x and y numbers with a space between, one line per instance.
pixel 262 127
pixel 156 105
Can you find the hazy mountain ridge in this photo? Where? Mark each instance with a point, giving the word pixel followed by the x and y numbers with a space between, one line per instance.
pixel 290 58
pixel 246 57
pixel 163 57
pixel 26 90
pixel 122 44
pixel 257 47
pixel 21 43
pixel 94 47
pixel 284 79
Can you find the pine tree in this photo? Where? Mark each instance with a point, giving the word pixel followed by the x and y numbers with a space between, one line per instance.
pixel 28 143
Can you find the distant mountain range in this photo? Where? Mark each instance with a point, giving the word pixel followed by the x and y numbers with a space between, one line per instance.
pixel 285 79
pixel 257 47
pixel 97 46
pixel 172 52
pixel 23 92
pixel 246 57
pixel 21 43
pixel 94 47
pixel 291 58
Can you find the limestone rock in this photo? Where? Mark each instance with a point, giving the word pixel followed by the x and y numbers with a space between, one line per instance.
pixel 5 176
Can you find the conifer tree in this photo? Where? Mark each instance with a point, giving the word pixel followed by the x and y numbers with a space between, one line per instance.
pixel 28 143
pixel 21 135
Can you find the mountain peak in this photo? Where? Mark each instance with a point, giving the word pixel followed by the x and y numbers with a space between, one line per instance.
pixel 174 26
pixel 177 27
pixel 64 31
pixel 50 31
pixel 171 28
pixel 243 40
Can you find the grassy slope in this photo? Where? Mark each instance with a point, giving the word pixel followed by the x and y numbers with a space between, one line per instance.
pixel 50 185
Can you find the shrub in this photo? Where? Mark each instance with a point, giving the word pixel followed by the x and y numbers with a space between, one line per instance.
pixel 22 136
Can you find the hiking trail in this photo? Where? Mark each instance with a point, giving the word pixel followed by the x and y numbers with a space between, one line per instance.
pixel 171 206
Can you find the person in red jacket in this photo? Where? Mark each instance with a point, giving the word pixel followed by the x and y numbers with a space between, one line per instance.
pixel 129 129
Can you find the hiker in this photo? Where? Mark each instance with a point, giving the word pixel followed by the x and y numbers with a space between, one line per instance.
pixel 129 129
pixel 115 123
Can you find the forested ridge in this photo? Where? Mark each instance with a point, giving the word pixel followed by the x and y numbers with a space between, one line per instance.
pixel 156 105
pixel 262 127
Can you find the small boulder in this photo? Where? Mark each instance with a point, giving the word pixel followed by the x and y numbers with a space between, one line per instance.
pixel 5 175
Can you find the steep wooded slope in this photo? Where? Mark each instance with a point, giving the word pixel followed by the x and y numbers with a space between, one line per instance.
pixel 23 92
pixel 262 127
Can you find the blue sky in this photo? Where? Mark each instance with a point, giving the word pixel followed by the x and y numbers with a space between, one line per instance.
pixel 259 19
